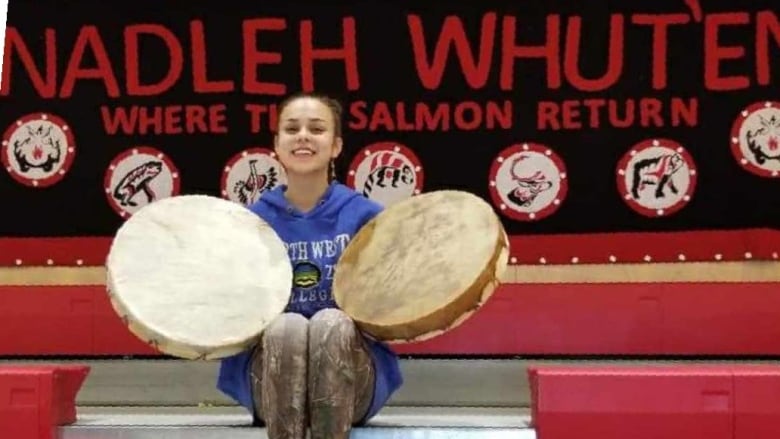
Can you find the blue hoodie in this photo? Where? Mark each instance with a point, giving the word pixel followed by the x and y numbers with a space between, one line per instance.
pixel 314 241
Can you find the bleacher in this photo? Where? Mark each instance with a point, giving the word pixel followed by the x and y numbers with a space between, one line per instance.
pixel 572 359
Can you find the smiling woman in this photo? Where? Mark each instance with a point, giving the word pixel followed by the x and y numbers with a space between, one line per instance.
pixel 308 142
pixel 315 216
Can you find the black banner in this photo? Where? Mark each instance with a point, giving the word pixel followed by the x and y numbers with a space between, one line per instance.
pixel 569 117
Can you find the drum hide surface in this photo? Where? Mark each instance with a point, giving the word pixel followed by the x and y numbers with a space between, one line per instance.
pixel 422 266
pixel 198 277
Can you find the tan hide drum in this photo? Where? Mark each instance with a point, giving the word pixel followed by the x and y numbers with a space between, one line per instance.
pixel 422 266
pixel 197 277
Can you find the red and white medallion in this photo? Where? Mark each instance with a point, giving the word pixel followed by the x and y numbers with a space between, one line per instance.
pixel 755 139
pixel 249 174
pixel 38 149
pixel 528 182
pixel 139 176
pixel 386 172
pixel 656 177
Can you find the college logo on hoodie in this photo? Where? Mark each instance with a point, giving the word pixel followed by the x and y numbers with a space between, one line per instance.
pixel 306 275
pixel 314 263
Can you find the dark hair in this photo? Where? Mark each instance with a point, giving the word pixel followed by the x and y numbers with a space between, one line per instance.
pixel 335 110
pixel 333 105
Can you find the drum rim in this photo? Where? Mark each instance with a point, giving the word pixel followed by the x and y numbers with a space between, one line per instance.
pixel 445 318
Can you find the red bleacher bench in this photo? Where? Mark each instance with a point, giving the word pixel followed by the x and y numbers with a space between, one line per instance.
pixel 35 400
pixel 669 402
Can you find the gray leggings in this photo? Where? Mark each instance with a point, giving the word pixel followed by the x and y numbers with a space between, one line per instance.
pixel 313 373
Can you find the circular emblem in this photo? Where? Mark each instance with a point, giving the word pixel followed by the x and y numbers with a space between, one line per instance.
pixel 306 275
pixel 250 173
pixel 528 182
pixel 38 150
pixel 755 139
pixel 137 177
pixel 386 173
pixel 656 177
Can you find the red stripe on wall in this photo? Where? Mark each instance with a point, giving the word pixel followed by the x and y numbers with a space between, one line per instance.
pixel 531 249
pixel 54 251
pixel 659 247
pixel 579 319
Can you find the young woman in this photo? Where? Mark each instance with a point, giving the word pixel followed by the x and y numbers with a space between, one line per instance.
pixel 313 368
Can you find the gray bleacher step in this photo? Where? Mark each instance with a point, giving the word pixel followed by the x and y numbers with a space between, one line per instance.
pixel 234 423
pixel 251 433
pixel 428 382
pixel 497 383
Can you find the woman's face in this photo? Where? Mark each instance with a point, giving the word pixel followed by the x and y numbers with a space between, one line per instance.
pixel 306 141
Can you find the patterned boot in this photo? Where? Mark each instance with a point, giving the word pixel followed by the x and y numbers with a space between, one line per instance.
pixel 341 375
pixel 279 377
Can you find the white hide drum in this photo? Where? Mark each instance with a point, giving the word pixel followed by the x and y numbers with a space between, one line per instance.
pixel 422 266
pixel 197 277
